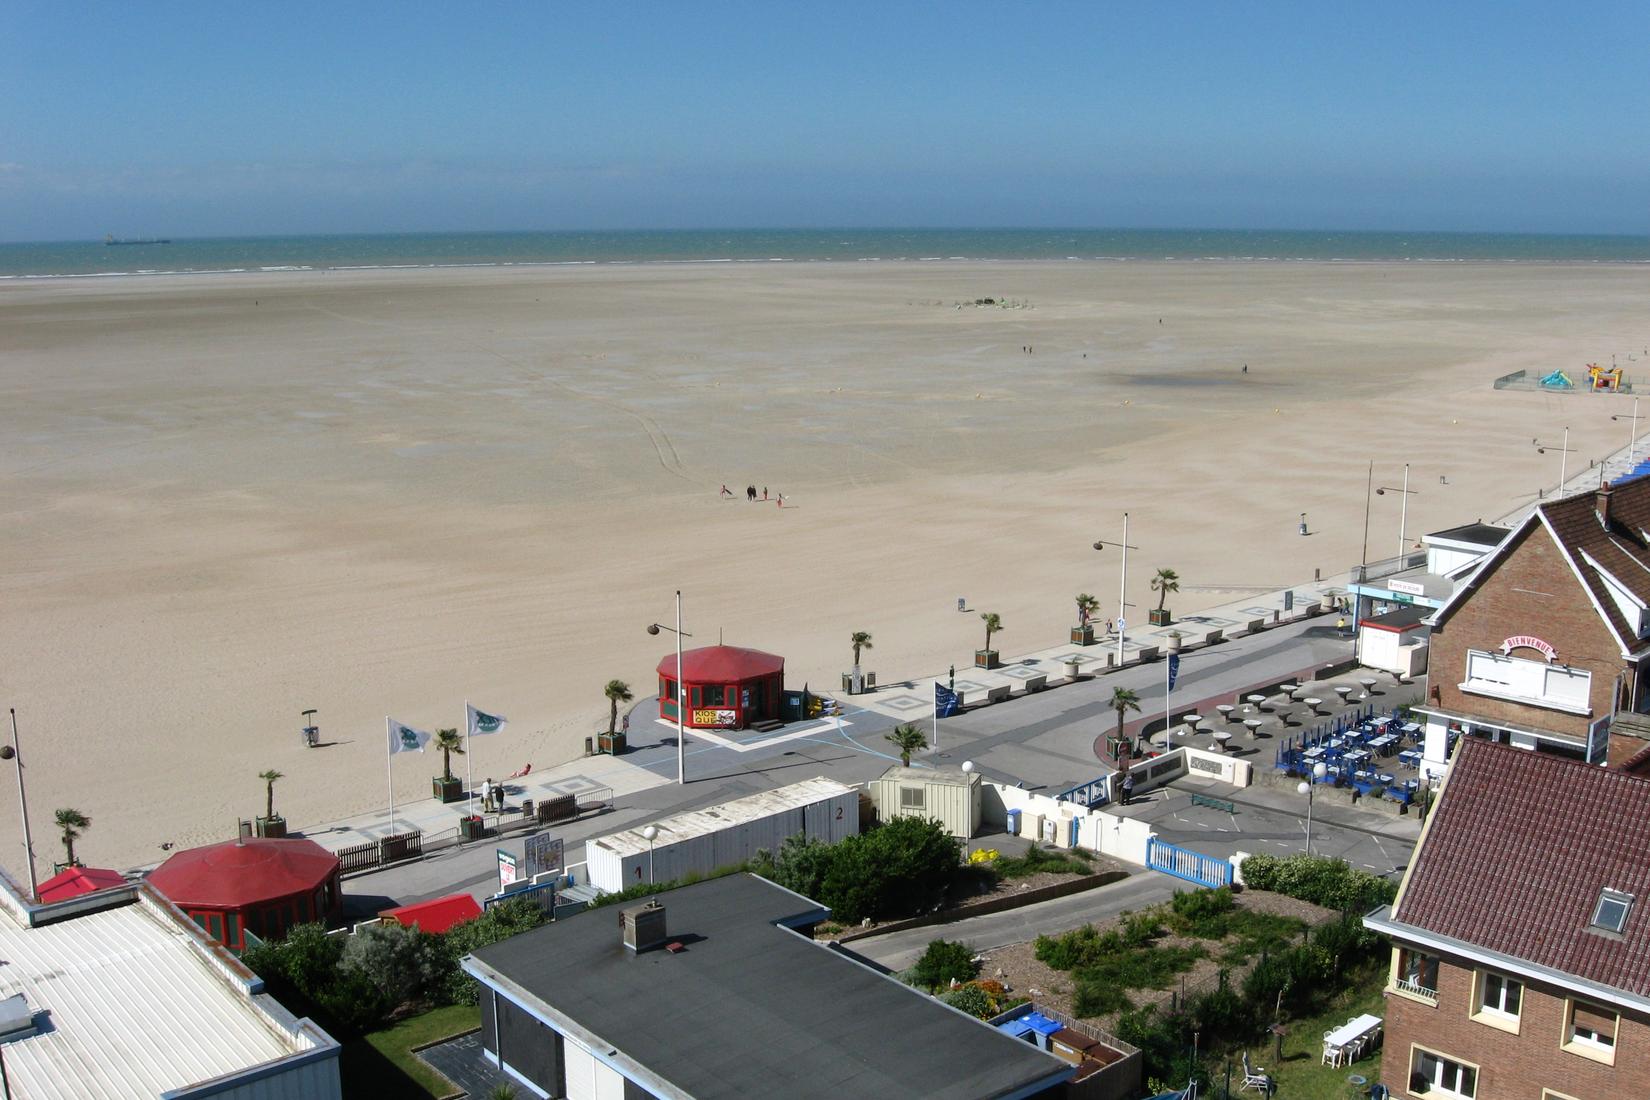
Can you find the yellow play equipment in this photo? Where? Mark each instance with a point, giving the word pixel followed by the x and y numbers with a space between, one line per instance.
pixel 1604 379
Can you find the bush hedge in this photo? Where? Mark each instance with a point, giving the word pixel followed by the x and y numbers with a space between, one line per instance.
pixel 1321 880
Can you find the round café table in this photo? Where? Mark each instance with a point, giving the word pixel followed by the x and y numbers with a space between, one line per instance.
pixel 1191 721
pixel 1226 710
pixel 1316 705
pixel 1221 737
pixel 1343 690
pixel 1254 724
pixel 1369 685
pixel 1255 700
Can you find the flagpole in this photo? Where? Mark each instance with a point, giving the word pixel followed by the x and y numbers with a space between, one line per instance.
pixel 681 701
pixel 469 767
pixel 1168 737
pixel 388 774
pixel 936 716
pixel 23 809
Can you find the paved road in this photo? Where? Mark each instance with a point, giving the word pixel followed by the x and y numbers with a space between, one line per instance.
pixel 898 950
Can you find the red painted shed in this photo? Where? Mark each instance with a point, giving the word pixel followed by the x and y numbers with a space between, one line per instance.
pixel 437 914
pixel 71 882
pixel 257 884
pixel 725 687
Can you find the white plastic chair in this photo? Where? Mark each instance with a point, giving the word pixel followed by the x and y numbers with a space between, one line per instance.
pixel 1254 1078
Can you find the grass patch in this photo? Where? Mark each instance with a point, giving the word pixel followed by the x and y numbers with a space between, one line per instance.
pixel 382 1062
pixel 1301 1074
pixel 1042 859
pixel 1259 933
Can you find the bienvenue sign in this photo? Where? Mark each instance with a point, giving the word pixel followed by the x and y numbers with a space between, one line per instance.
pixel 1526 641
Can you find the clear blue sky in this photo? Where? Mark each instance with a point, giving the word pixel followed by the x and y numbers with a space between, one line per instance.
pixel 232 118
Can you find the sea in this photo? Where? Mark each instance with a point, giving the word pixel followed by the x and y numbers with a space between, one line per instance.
pixel 85 259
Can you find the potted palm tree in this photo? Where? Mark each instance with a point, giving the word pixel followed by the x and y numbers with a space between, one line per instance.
pixel 270 825
pixel 1166 581
pixel 617 691
pixel 73 823
pixel 856 680
pixel 1083 632
pixel 907 739
pixel 1123 700
pixel 447 786
pixel 987 657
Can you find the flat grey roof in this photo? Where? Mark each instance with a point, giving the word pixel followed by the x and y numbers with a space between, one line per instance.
pixel 753 1009
pixel 1477 534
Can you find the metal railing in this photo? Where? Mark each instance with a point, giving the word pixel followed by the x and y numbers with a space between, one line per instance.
pixel 1369 571
pixel 1415 989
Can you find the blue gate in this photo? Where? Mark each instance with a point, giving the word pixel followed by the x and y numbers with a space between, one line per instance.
pixel 1187 864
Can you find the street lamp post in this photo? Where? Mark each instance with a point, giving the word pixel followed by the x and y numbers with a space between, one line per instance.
pixel 968 811
pixel 650 833
pixel 11 752
pixel 1122 588
pixel 1563 458
pixel 681 691
pixel 1319 770
pixel 1403 512
pixel 1632 430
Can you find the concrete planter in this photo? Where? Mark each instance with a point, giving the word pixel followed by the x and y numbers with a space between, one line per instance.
pixel 985 658
pixel 1173 645
pixel 1072 669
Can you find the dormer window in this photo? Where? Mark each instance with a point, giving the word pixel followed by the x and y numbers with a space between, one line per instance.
pixel 1611 912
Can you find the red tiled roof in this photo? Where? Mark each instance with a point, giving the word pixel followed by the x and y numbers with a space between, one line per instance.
pixel 237 873
pixel 722 664
pixel 71 882
pixel 437 914
pixel 1517 852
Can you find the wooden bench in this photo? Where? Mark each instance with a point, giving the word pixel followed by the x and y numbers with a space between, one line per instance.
pixel 1213 803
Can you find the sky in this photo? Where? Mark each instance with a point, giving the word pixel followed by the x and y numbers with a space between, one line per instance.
pixel 228 118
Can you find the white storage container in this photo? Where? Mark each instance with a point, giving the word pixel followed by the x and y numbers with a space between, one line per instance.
pixel 705 840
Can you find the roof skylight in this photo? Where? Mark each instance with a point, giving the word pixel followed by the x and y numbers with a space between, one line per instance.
pixel 1611 912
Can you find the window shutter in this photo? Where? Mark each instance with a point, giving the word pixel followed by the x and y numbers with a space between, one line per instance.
pixel 1594 1019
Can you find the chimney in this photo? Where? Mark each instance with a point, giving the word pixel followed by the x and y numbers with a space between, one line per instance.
pixel 643 925
pixel 1601 506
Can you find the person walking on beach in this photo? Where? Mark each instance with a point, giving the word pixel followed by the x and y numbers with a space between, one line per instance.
pixel 764 492
pixel 725 490
pixel 782 500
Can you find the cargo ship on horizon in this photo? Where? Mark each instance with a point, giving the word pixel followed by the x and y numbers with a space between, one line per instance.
pixel 112 240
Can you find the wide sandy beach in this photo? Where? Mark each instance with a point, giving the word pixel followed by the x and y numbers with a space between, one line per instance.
pixel 229 498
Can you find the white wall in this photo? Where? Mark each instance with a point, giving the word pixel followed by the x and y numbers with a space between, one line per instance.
pixel 1217 765
pixel 1109 834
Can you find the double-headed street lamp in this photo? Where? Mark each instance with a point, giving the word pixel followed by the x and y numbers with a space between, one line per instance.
pixel 1319 770
pixel 1403 512
pixel 1122 587
pixel 968 810
pixel 681 691
pixel 1563 450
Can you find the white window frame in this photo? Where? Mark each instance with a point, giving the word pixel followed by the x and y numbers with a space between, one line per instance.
pixel 1617 897
pixel 907 803
pixel 1496 1015
pixel 1586 1045
pixel 1436 1088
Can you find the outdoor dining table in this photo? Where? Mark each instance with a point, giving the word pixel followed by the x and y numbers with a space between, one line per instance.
pixel 1384 743
pixel 1253 724
pixel 1411 728
pixel 1343 690
pixel 1226 710
pixel 1410 757
pixel 1255 700
pixel 1380 723
pixel 1221 737
pixel 1356 756
pixel 1314 705
pixel 1369 683
pixel 1313 754
pixel 1191 721
pixel 1385 777
pixel 1351 1031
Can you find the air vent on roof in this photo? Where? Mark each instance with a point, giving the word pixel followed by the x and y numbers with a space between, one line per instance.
pixel 1611 912
pixel 16 1018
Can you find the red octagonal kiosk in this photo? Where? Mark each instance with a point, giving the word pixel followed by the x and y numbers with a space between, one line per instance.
pixel 725 687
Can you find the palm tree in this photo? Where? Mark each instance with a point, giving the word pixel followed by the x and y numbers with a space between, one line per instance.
pixel 269 778
pixel 1166 581
pixel 1122 701
pixel 993 623
pixel 1087 605
pixel 617 691
pixel 73 823
pixel 861 640
pixel 449 742
pixel 908 739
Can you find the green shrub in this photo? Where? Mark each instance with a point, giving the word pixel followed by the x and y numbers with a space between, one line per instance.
pixel 1202 913
pixel 1097 998
pixel 648 889
pixel 943 963
pixel 898 870
pixel 1320 880
pixel 970 999
pixel 1140 929
pixel 1042 859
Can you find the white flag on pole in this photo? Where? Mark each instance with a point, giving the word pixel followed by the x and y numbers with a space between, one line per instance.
pixel 481 722
pixel 406 739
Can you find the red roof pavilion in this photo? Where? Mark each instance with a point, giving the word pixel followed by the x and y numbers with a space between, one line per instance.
pixel 437 914
pixel 261 884
pixel 71 882
pixel 726 687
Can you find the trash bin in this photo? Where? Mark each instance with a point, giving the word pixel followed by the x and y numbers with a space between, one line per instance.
pixel 527 807
pixel 1014 823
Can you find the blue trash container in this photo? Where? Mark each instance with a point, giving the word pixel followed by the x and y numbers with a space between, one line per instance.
pixel 1014 823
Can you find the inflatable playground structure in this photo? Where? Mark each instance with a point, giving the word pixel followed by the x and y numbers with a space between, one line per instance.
pixel 1596 380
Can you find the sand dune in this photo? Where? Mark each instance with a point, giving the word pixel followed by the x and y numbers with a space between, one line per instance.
pixel 230 498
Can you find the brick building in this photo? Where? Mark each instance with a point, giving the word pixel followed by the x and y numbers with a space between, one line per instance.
pixel 1521 935
pixel 1548 639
